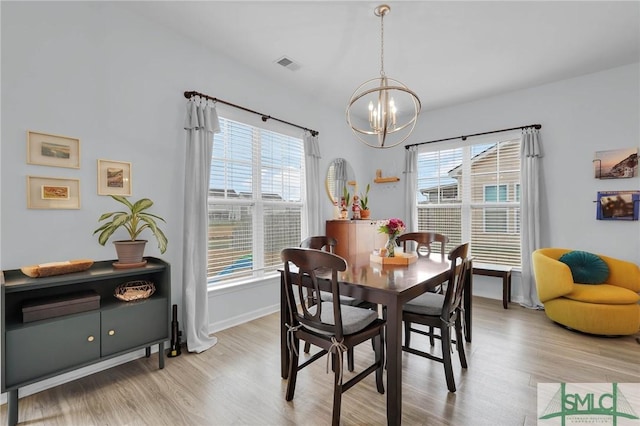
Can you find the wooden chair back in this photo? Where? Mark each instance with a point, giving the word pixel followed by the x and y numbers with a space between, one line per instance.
pixel 320 242
pixel 310 263
pixel 424 241
pixel 457 275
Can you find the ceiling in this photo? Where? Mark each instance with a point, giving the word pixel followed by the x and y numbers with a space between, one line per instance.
pixel 448 52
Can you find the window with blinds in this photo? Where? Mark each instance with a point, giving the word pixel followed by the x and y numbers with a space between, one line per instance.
pixel 256 193
pixel 472 193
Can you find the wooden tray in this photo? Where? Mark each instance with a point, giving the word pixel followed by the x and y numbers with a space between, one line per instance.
pixel 56 268
pixel 401 259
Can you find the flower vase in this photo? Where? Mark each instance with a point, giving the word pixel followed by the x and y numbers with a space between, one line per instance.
pixel 391 246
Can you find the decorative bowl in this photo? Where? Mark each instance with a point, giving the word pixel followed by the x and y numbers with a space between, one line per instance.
pixel 134 290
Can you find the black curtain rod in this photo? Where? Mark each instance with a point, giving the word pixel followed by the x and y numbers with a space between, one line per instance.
pixel 191 94
pixel 464 137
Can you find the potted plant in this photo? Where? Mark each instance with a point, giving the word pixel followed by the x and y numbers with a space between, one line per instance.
pixel 364 203
pixel 134 219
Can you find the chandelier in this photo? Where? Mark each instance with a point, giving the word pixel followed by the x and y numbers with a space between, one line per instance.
pixel 382 112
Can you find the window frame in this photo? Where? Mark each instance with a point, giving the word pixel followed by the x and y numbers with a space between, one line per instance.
pixel 468 208
pixel 256 205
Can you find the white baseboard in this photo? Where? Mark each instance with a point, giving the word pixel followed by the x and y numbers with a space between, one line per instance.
pixel 241 319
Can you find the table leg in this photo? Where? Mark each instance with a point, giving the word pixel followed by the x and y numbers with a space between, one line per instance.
pixel 394 364
pixel 505 292
pixel 284 353
pixel 467 295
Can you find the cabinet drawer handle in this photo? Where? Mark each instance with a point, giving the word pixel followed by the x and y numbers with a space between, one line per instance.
pixel 90 339
pixel 112 332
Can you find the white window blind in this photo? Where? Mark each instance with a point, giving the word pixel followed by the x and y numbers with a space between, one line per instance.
pixel 439 195
pixel 472 193
pixel 255 200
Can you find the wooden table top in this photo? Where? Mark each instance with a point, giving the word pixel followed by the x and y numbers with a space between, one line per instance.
pixel 364 275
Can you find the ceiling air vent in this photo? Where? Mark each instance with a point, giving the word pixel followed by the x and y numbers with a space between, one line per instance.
pixel 288 63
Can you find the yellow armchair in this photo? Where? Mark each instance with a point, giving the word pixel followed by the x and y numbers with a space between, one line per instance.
pixel 610 308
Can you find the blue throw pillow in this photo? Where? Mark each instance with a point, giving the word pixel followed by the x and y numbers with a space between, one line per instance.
pixel 586 268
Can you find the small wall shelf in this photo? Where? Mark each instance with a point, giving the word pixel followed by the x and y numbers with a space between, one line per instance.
pixel 386 179
pixel 380 179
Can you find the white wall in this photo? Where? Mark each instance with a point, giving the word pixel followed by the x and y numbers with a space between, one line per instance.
pixel 97 72
pixel 579 116
pixel 94 71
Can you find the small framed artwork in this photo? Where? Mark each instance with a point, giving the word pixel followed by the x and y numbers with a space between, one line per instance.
pixel 616 164
pixel 618 205
pixel 114 178
pixel 53 150
pixel 52 193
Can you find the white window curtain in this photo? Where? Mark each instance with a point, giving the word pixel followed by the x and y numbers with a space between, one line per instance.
pixel 530 207
pixel 411 188
pixel 312 166
pixel 201 122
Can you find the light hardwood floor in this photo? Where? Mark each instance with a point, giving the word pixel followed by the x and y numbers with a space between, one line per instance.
pixel 237 382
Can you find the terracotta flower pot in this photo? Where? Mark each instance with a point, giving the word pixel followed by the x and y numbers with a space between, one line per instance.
pixel 365 214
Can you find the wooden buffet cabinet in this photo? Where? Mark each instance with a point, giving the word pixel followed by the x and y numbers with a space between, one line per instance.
pixel 34 351
pixel 355 236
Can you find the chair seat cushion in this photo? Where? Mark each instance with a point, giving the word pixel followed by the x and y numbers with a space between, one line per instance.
pixel 425 304
pixel 586 268
pixel 604 294
pixel 353 319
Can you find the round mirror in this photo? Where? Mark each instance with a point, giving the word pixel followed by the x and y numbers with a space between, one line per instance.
pixel 339 175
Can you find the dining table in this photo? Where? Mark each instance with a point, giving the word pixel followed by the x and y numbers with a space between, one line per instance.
pixel 391 286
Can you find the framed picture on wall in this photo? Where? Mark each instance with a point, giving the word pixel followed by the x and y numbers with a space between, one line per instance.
pixel 616 164
pixel 52 193
pixel 114 178
pixel 618 205
pixel 45 149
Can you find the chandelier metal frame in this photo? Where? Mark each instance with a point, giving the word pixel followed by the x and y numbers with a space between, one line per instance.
pixel 382 119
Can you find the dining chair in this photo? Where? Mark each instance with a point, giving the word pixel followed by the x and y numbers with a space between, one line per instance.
pixel 334 327
pixel 326 243
pixel 424 241
pixel 441 311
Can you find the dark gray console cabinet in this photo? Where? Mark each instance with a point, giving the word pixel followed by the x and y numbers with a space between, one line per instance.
pixel 37 350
